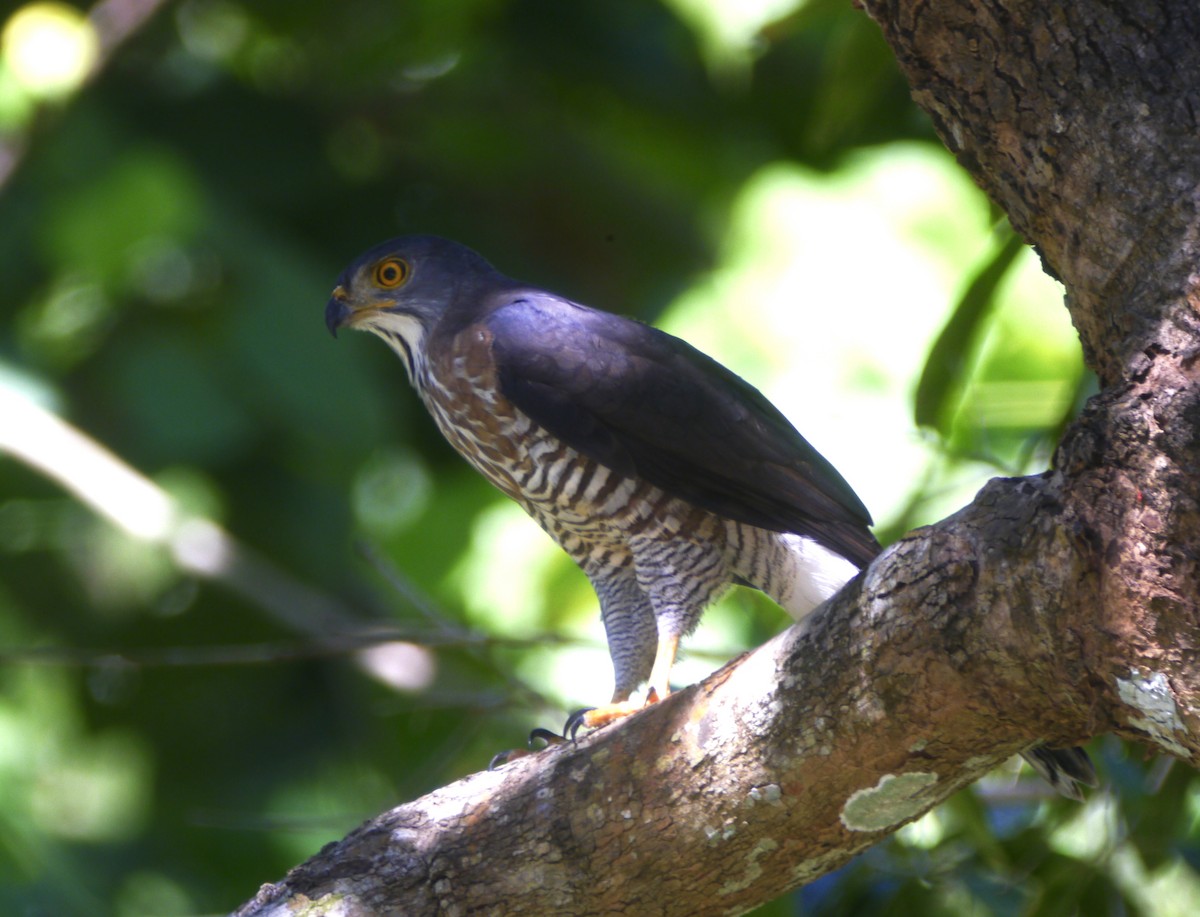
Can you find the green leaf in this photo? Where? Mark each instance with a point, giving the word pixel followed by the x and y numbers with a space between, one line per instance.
pixel 942 377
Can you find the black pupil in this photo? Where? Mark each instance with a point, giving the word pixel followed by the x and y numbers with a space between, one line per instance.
pixel 390 273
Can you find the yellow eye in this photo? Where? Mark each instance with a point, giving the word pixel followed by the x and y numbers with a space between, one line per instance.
pixel 391 273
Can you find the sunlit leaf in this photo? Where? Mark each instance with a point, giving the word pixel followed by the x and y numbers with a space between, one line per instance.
pixel 943 376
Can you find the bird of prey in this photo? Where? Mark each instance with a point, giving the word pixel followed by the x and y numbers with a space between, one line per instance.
pixel 665 476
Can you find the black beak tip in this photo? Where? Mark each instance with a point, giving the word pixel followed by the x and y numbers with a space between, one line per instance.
pixel 335 315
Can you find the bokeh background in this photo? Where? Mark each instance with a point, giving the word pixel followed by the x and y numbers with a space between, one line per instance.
pixel 249 598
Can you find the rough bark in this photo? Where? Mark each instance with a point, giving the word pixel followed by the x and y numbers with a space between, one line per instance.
pixel 1053 607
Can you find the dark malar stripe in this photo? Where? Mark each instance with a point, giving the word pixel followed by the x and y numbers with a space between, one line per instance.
pixel 407 356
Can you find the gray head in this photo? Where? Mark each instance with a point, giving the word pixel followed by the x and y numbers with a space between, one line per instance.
pixel 402 289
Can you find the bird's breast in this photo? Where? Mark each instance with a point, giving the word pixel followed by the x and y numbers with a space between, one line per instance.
pixel 573 497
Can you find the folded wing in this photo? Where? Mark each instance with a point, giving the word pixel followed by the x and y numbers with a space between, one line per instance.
pixel 644 403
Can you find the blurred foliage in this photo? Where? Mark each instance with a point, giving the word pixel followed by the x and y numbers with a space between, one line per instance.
pixel 184 717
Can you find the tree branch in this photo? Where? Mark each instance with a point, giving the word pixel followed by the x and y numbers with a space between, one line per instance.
pixel 1079 120
pixel 1054 607
pixel 937 664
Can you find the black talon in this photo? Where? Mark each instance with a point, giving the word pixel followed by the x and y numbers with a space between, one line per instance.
pixel 503 757
pixel 545 735
pixel 574 721
pixel 535 735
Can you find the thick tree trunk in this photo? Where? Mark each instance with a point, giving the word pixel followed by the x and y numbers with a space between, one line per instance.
pixel 1054 607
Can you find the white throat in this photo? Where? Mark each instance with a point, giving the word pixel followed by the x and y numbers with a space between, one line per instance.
pixel 404 334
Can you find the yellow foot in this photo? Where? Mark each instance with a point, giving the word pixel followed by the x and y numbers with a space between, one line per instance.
pixel 593 717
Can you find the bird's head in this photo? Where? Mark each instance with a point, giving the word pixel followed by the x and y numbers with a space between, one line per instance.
pixel 401 289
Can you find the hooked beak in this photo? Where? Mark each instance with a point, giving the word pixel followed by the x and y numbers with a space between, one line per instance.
pixel 344 311
pixel 337 311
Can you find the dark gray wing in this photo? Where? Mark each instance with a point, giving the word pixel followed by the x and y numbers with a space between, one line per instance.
pixel 644 403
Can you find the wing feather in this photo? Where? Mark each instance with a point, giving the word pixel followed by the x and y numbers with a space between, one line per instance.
pixel 640 401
